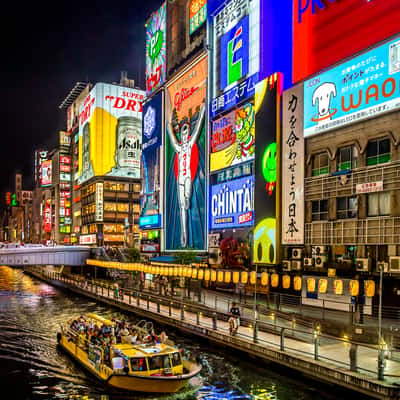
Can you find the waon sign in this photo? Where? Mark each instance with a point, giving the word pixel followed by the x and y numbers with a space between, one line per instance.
pixel 328 31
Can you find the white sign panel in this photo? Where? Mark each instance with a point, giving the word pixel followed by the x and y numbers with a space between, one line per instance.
pixel 293 167
pixel 369 187
pixel 99 202
pixel 87 239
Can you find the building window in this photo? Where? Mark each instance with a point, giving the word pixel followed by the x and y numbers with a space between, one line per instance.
pixel 347 158
pixel 320 210
pixel 378 151
pixel 346 207
pixel 378 204
pixel 320 164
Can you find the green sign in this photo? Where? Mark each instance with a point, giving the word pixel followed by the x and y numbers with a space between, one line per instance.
pixel 197 16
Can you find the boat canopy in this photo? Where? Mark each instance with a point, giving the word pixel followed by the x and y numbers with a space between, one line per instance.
pixel 104 321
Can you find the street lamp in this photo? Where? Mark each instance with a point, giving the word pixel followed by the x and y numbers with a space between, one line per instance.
pixel 381 358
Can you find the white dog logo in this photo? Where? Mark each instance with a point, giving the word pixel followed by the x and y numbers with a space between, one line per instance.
pixel 323 94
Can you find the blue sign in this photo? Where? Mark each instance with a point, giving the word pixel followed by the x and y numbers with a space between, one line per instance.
pixel 361 88
pixel 150 221
pixel 232 204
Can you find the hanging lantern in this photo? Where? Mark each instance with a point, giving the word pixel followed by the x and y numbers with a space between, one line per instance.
pixel 194 273
pixel 200 274
pixel 207 273
pixel 274 280
pixel 157 270
pixel 175 270
pixel 236 276
pixel 253 277
pixel 213 275
pixel 369 286
pixel 264 278
pixel 322 285
pixel 297 283
pixel 244 277
pixel 189 272
pixel 286 281
pixel 228 277
pixel 220 276
pixel 354 287
pixel 310 285
pixel 338 286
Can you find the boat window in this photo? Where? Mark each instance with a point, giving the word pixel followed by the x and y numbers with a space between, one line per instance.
pixel 138 364
pixel 159 362
pixel 176 359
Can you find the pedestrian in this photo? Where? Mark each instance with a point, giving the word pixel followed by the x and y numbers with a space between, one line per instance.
pixel 234 319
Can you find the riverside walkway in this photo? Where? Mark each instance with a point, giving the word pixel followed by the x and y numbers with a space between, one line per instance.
pixel 330 359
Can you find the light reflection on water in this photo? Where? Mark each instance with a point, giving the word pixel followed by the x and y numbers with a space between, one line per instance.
pixel 32 367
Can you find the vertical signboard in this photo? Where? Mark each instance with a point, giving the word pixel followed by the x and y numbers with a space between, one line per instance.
pixel 46 173
pixel 185 159
pixel 151 162
pixel 40 156
pixel 197 14
pixel 99 201
pixel 110 132
pixel 293 167
pixel 360 88
pixel 156 43
pixel 267 107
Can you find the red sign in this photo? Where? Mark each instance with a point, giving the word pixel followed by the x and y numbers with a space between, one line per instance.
pixel 65 160
pixel 47 217
pixel 328 31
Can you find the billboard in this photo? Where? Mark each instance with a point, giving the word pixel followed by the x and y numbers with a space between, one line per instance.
pixel 110 132
pixel 232 139
pixel 293 167
pixel 156 43
pixel 185 159
pixel 46 173
pixel 151 162
pixel 266 199
pixel 232 204
pixel 197 14
pixel 251 40
pixel 327 32
pixel 360 88
pixel 40 155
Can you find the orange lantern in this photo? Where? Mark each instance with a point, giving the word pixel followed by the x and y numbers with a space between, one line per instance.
pixel 338 286
pixel 264 278
pixel 286 281
pixel 253 277
pixel 235 276
pixel 228 277
pixel 322 285
pixel 207 274
pixel 354 287
pixel 297 283
pixel 274 280
pixel 220 276
pixel 194 273
pixel 369 286
pixel 200 274
pixel 244 277
pixel 213 276
pixel 311 285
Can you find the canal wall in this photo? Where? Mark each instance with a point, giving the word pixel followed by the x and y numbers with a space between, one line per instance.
pixel 215 330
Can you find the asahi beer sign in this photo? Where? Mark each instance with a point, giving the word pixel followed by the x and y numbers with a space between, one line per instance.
pixel 363 87
pixel 110 132
pixel 293 167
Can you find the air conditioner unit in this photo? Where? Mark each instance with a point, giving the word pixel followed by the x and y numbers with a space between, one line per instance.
pixel 308 262
pixel 286 265
pixel 362 264
pixel 318 250
pixel 296 254
pixel 319 261
pixel 394 265
pixel 296 265
pixel 381 265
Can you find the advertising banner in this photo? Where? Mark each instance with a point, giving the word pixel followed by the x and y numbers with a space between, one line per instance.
pixel 185 159
pixel 363 87
pixel 231 204
pixel 151 161
pixel 327 32
pixel 110 132
pixel 99 201
pixel 197 14
pixel 47 216
pixel 40 156
pixel 293 167
pixel 267 107
pixel 88 239
pixel 46 173
pixel 232 139
pixel 156 44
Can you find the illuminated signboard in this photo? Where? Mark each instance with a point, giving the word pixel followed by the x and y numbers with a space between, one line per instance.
pixel 328 32
pixel 231 204
pixel 40 155
pixel 110 132
pixel 233 138
pixel 185 159
pixel 64 176
pixel 47 216
pixel 99 202
pixel 88 239
pixel 65 160
pixel 151 159
pixel 267 100
pixel 46 173
pixel 65 139
pixel 156 49
pixel 197 14
pixel 150 221
pixel 363 87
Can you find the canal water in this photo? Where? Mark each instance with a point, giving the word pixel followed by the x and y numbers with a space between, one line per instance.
pixel 32 367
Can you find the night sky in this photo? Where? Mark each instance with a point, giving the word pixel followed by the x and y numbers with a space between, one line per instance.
pixel 45 52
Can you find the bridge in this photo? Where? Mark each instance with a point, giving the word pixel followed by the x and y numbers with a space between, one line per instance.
pixel 57 255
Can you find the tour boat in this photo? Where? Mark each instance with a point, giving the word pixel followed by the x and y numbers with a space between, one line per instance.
pixel 146 367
